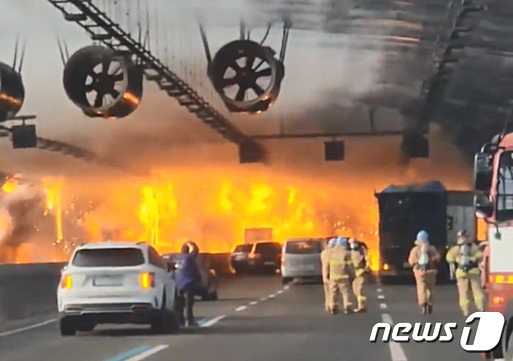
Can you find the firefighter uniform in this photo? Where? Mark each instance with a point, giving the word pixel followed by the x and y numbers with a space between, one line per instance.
pixel 424 258
pixel 360 262
pixel 339 270
pixel 325 280
pixel 467 257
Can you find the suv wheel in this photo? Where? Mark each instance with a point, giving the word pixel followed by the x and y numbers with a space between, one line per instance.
pixel 67 327
pixel 165 321
pixel 86 326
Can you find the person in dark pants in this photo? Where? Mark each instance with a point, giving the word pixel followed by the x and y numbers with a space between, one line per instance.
pixel 188 279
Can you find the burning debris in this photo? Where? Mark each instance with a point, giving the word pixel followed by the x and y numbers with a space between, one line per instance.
pixel 21 207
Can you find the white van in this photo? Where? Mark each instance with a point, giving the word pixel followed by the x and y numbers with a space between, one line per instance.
pixel 301 258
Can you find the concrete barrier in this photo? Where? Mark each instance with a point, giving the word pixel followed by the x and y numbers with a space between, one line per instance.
pixel 28 289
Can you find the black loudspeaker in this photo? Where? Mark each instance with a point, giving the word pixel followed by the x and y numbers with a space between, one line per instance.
pixel 250 153
pixel 334 151
pixel 24 136
pixel 415 146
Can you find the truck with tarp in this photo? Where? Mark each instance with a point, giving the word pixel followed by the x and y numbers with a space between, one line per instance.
pixel 404 210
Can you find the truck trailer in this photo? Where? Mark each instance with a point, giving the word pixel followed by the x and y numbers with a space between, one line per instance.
pixel 404 210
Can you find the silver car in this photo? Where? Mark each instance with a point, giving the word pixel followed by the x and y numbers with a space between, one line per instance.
pixel 301 258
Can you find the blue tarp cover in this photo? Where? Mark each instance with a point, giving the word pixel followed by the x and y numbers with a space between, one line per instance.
pixel 429 187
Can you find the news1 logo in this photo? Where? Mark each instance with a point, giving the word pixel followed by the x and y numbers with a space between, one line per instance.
pixel 487 336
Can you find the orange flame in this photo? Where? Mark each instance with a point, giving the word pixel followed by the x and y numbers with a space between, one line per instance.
pixel 53 192
pixel 9 185
pixel 214 211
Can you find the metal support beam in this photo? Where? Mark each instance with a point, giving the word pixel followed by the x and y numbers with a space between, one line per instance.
pixel 71 150
pixel 391 133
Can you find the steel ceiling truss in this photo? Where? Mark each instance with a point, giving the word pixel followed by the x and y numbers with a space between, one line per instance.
pixel 102 29
pixel 448 53
pixel 69 150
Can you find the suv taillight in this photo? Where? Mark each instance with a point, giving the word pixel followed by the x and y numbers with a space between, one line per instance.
pixel 66 281
pixel 147 279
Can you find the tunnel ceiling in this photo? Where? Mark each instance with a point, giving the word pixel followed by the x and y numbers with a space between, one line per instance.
pixel 407 32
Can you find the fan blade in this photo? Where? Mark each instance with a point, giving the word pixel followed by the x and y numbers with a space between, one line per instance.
pixel 116 69
pixel 235 66
pixel 118 77
pixel 99 99
pixel 229 81
pixel 105 66
pixel 114 93
pixel 250 60
pixel 264 72
pixel 240 94
pixel 258 89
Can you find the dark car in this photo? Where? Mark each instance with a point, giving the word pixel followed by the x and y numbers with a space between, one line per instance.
pixel 265 257
pixel 240 257
pixel 208 291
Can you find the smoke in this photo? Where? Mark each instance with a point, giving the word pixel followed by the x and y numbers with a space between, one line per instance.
pixel 326 78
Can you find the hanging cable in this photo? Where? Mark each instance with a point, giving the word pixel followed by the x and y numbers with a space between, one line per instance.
pixel 266 33
pixel 284 39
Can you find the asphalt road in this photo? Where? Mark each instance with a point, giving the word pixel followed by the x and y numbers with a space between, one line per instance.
pixel 256 318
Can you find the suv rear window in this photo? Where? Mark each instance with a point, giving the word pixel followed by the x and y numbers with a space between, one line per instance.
pixel 270 247
pixel 243 248
pixel 303 247
pixel 108 257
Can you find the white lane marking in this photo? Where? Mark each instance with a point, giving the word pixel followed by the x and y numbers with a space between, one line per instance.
pixel 280 292
pixel 272 295
pixel 26 328
pixel 213 321
pixel 381 297
pixel 386 318
pixel 253 303
pixel 380 290
pixel 240 308
pixel 286 287
pixel 396 350
pixel 263 299
pixel 148 353
pixel 383 306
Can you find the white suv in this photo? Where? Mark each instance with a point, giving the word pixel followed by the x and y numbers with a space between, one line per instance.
pixel 117 282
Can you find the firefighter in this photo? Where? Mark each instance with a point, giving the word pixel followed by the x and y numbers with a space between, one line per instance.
pixel 424 259
pixel 325 280
pixel 339 270
pixel 360 261
pixel 464 259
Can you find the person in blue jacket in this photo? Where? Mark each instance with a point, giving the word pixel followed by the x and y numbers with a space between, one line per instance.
pixel 188 280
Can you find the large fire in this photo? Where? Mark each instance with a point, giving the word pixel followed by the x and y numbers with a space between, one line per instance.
pixel 215 210
pixel 212 207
